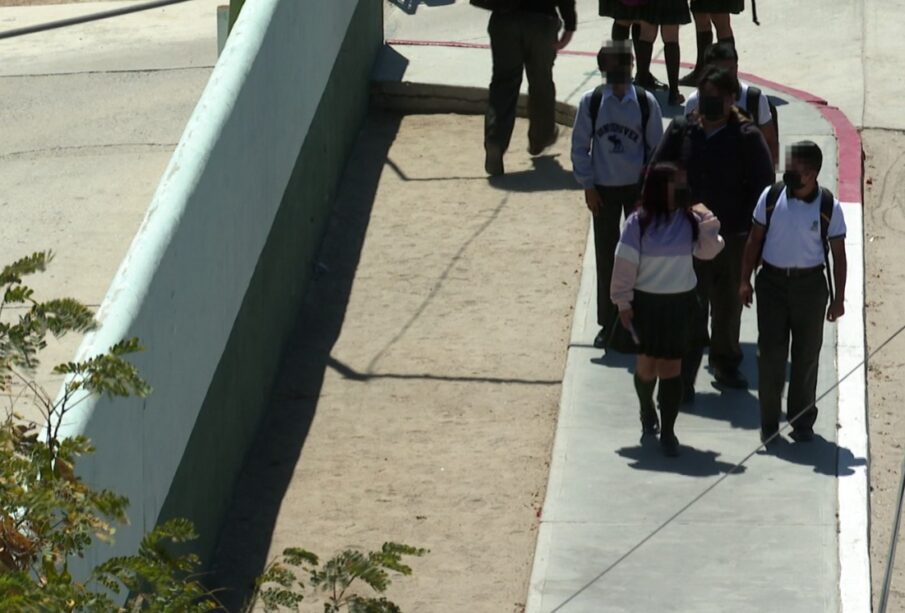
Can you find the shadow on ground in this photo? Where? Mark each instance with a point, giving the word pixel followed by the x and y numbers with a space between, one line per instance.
pixel 245 538
pixel 690 463
pixel 410 7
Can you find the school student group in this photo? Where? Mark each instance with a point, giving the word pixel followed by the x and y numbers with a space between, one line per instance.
pixel 684 218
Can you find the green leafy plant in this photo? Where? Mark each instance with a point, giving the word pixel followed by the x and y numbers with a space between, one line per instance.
pixel 280 585
pixel 49 516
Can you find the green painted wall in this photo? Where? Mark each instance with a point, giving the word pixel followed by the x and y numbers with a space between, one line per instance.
pixel 240 391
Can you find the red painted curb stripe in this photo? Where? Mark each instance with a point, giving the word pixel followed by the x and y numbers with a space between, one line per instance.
pixel 847 136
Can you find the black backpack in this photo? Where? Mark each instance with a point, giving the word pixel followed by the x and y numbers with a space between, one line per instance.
pixel 496 5
pixel 753 104
pixel 643 103
pixel 826 214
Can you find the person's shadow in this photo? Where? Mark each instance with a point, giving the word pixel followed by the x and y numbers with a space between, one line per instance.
pixel 410 7
pixel 825 456
pixel 546 175
pixel 691 462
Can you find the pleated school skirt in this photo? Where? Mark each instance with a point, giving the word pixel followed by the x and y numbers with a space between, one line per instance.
pixel 667 12
pixel 718 6
pixel 665 324
pixel 619 11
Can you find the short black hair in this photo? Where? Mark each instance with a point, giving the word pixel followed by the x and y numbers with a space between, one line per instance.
pixel 721 52
pixel 808 153
pixel 621 49
pixel 721 79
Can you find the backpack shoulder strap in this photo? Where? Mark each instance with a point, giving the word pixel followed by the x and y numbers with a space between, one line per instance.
pixel 596 99
pixel 753 104
pixel 644 104
pixel 772 199
pixel 827 201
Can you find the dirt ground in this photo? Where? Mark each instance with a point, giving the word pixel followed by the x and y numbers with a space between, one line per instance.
pixel 419 400
pixel 884 231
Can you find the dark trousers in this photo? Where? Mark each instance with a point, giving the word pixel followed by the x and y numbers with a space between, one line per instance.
pixel 787 307
pixel 521 41
pixel 718 281
pixel 617 201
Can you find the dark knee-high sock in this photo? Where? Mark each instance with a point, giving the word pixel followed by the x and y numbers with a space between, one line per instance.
pixel 645 391
pixel 671 52
pixel 645 51
pixel 705 39
pixel 669 396
pixel 620 32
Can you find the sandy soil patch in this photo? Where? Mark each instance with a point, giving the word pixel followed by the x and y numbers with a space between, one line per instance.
pixel 427 415
pixel 884 232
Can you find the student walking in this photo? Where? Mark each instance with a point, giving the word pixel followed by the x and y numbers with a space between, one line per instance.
pixel 797 224
pixel 728 167
pixel 653 287
pixel 750 99
pixel 525 38
pixel 616 129
pixel 710 15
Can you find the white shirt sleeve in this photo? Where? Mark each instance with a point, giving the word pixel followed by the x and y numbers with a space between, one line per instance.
pixel 691 103
pixel 760 211
pixel 837 227
pixel 763 109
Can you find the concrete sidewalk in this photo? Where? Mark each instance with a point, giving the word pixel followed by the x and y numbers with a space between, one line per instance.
pixel 763 539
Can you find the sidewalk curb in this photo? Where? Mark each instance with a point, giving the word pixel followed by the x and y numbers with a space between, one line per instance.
pixel 852 432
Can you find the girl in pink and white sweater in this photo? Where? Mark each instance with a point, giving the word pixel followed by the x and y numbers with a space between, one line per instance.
pixel 653 285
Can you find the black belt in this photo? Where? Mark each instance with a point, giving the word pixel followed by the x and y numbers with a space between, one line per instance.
pixel 792 272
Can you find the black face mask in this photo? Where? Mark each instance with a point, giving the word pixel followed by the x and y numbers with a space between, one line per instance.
pixel 712 108
pixel 792 180
pixel 620 76
pixel 682 197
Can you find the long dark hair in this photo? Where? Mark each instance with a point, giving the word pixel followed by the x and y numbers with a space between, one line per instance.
pixel 654 204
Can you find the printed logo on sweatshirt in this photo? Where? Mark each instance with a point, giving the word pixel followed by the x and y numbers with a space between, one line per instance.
pixel 614 133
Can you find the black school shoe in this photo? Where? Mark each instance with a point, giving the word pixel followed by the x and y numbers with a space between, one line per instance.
pixel 768 438
pixel 730 378
pixel 650 424
pixel 493 161
pixel 600 339
pixel 538 149
pixel 669 444
pixel 650 82
pixel 802 435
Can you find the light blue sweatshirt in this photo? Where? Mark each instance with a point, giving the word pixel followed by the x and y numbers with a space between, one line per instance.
pixel 615 155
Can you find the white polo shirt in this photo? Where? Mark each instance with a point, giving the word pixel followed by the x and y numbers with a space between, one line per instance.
pixel 793 238
pixel 763 108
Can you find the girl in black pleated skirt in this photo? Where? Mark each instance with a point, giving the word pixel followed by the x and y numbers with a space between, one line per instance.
pixel 711 15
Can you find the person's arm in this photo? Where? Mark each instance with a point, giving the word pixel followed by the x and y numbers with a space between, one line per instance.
pixel 570 22
pixel 753 247
pixel 840 271
pixel 625 268
pixel 709 243
pixel 582 162
pixel 768 128
pixel 654 132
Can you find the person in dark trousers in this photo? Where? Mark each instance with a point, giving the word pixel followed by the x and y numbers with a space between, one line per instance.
pixel 711 15
pixel 725 56
pixel 795 229
pixel 728 167
pixel 524 39
pixel 609 153
pixel 654 288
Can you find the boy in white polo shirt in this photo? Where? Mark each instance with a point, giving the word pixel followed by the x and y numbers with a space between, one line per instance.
pixel 796 225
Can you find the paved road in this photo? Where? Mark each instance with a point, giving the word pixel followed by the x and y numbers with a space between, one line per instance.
pixel 90 116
